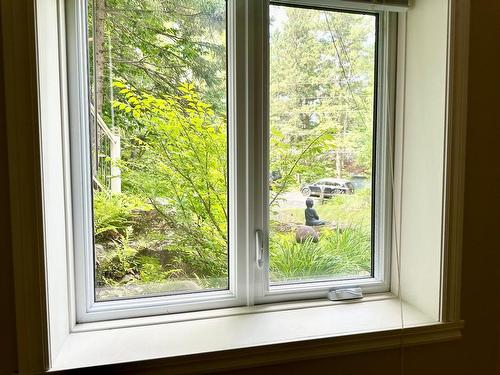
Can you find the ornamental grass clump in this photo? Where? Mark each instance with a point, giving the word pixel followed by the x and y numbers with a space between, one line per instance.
pixel 339 253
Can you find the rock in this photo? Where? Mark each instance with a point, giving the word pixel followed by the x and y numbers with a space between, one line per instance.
pixel 303 233
pixel 100 252
pixel 285 227
pixel 127 278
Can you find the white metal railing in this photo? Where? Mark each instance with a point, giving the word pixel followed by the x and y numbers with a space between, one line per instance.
pixel 109 177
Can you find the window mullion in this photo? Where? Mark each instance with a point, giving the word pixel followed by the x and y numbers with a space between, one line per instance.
pixel 258 78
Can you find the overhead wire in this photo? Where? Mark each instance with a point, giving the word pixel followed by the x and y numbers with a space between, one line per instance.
pixel 396 224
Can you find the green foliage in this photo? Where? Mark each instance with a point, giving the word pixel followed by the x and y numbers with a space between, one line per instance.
pixel 349 209
pixel 150 270
pixel 301 157
pixel 122 262
pixel 338 253
pixel 183 164
pixel 156 44
pixel 353 210
pixel 116 262
pixel 171 222
pixel 322 77
pixel 114 213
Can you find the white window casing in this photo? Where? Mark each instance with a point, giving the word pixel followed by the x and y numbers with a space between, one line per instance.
pixel 49 336
pixel 420 154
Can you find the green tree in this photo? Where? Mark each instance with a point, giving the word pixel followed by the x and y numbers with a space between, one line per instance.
pixel 182 170
pixel 322 77
pixel 155 45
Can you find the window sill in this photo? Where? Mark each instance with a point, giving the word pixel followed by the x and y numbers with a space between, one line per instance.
pixel 248 336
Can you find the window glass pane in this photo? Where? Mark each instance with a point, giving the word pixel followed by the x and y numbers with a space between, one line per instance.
pixel 159 146
pixel 322 98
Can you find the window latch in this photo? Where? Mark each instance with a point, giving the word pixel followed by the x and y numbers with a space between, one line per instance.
pixel 345 293
pixel 259 248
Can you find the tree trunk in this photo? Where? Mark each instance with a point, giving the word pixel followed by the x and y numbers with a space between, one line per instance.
pixel 99 66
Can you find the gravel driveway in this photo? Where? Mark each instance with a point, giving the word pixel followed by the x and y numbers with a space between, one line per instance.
pixel 294 199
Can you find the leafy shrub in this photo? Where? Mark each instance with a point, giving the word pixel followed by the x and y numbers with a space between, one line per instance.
pixel 114 213
pixel 122 259
pixel 338 253
pixel 150 270
pixel 182 171
pixel 116 262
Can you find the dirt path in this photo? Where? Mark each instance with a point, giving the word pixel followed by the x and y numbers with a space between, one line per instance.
pixel 294 199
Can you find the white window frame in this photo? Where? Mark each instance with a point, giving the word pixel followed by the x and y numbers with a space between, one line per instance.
pixel 49 338
pixel 81 192
pixel 382 180
pixel 242 168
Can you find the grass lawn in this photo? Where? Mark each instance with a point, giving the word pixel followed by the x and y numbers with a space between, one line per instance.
pixel 352 210
pixel 344 253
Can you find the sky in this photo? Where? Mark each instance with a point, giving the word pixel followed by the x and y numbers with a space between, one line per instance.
pixel 278 17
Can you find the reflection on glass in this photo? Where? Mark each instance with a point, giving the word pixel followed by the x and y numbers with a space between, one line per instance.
pixel 322 72
pixel 159 146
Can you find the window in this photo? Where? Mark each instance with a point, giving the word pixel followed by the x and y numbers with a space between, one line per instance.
pixel 322 66
pixel 154 153
pixel 159 135
pixel 414 227
pixel 163 182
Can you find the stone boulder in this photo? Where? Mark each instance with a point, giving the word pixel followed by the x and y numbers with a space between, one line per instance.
pixel 304 233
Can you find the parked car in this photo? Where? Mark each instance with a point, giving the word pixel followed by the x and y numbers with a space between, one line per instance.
pixel 360 182
pixel 328 186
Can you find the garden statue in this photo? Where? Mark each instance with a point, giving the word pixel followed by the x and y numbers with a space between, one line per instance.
pixel 312 218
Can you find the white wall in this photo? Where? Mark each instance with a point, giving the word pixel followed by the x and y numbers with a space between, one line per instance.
pixel 421 129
